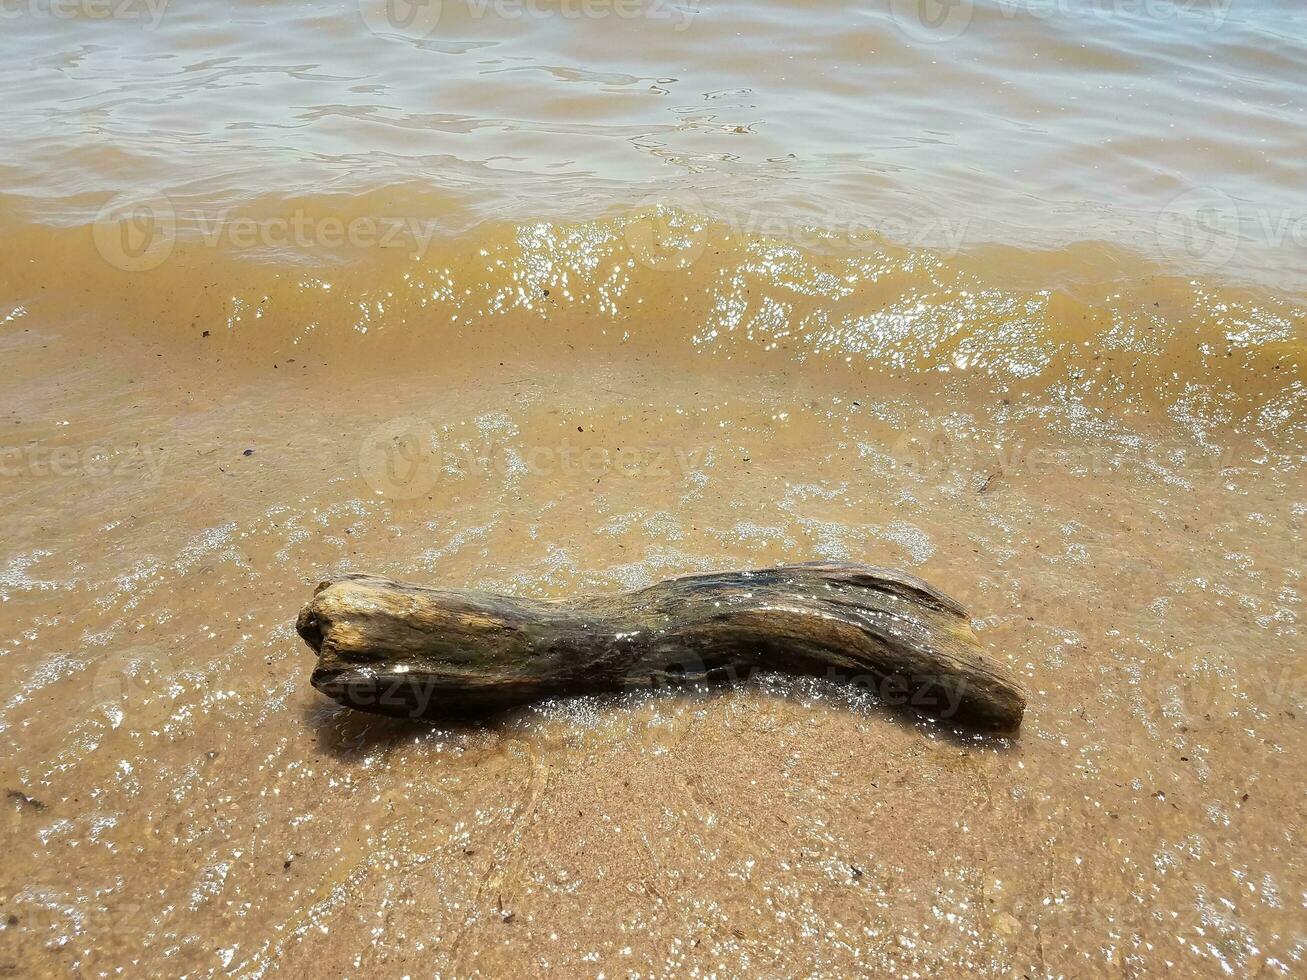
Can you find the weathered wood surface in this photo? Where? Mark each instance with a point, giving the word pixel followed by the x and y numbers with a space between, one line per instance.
pixel 410 651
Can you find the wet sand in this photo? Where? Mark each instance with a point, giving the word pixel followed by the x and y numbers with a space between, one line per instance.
pixel 553 304
pixel 181 800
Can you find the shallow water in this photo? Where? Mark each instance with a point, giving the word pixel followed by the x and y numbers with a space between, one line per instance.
pixel 1172 125
pixel 571 302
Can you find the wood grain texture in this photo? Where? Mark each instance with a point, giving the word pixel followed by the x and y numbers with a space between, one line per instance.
pixel 410 651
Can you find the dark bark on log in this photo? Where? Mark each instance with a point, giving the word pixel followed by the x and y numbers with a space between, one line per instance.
pixel 409 651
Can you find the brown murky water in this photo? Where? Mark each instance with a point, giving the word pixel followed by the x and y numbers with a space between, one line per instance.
pixel 1095 442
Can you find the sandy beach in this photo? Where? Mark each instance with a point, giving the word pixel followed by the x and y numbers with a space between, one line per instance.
pixel 551 305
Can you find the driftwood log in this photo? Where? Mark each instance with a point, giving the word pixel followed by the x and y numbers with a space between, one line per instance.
pixel 410 651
